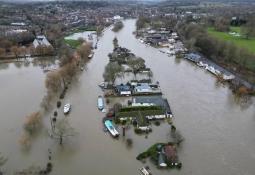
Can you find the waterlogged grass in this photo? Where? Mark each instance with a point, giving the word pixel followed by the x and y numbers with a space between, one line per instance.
pixel 249 44
pixel 72 43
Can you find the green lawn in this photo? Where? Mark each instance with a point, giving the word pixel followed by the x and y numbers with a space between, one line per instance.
pixel 239 41
pixel 73 43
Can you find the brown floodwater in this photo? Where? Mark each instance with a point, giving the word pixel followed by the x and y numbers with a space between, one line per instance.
pixel 219 133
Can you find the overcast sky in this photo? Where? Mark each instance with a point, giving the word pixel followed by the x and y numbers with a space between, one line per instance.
pixel 72 0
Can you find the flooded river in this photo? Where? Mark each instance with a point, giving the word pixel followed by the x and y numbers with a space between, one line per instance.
pixel 219 134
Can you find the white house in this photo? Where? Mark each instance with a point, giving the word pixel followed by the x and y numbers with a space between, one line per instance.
pixel 117 18
pixel 41 40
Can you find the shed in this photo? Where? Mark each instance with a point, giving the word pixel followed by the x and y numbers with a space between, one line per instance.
pixel 123 89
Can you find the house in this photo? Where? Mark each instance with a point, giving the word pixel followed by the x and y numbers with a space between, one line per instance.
pixel 117 18
pixel 143 88
pixel 123 90
pixel 193 57
pixel 41 40
pixel 171 153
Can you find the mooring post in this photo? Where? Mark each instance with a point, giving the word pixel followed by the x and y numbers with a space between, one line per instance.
pixel 123 131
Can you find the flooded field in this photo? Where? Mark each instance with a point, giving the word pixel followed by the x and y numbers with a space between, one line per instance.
pixel 219 134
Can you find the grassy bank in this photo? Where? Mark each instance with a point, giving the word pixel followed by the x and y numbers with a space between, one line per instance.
pixel 239 41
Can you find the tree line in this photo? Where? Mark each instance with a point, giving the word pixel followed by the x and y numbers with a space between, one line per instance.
pixel 196 38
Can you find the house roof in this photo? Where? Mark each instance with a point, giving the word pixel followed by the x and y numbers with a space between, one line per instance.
pixel 143 87
pixel 170 153
pixel 41 40
pixel 123 88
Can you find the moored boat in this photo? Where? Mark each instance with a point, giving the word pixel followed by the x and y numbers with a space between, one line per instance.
pixel 67 108
pixel 100 102
pixel 108 124
pixel 91 55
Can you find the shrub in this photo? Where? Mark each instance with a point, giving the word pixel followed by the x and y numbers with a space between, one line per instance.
pixel 58 104
pixel 117 121
pixel 173 128
pixel 123 122
pixel 55 113
pixel 62 95
pixel 157 123
pixel 138 131
pixel 49 167
pixel 143 155
pixel 129 142
pixel 179 166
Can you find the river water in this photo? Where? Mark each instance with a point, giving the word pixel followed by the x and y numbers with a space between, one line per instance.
pixel 219 134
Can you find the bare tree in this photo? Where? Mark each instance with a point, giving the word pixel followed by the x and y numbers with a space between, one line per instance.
pixel 136 64
pixel 61 129
pixel 248 29
pixel 112 71
pixel 53 81
pixel 15 51
pixel 33 122
pixel 2 51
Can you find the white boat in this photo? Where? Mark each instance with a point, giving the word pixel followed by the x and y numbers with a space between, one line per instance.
pixel 213 70
pixel 103 85
pixel 108 124
pixel 67 108
pixel 100 102
pixel 201 64
pixel 91 55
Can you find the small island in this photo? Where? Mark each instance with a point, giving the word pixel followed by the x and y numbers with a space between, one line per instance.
pixel 164 155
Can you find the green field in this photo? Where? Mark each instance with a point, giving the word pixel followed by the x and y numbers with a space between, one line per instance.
pixel 73 43
pixel 239 41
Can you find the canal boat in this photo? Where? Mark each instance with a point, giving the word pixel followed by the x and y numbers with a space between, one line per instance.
pixel 67 108
pixel 100 102
pixel 108 124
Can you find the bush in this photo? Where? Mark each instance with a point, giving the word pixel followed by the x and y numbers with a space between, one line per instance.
pixel 62 95
pixel 143 155
pixel 55 113
pixel 49 167
pixel 129 142
pixel 58 104
pixel 123 122
pixel 117 121
pixel 173 128
pixel 157 123
pixel 138 131
pixel 140 108
pixel 179 166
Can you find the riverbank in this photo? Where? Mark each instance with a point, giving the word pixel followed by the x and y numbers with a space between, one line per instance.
pixel 222 71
